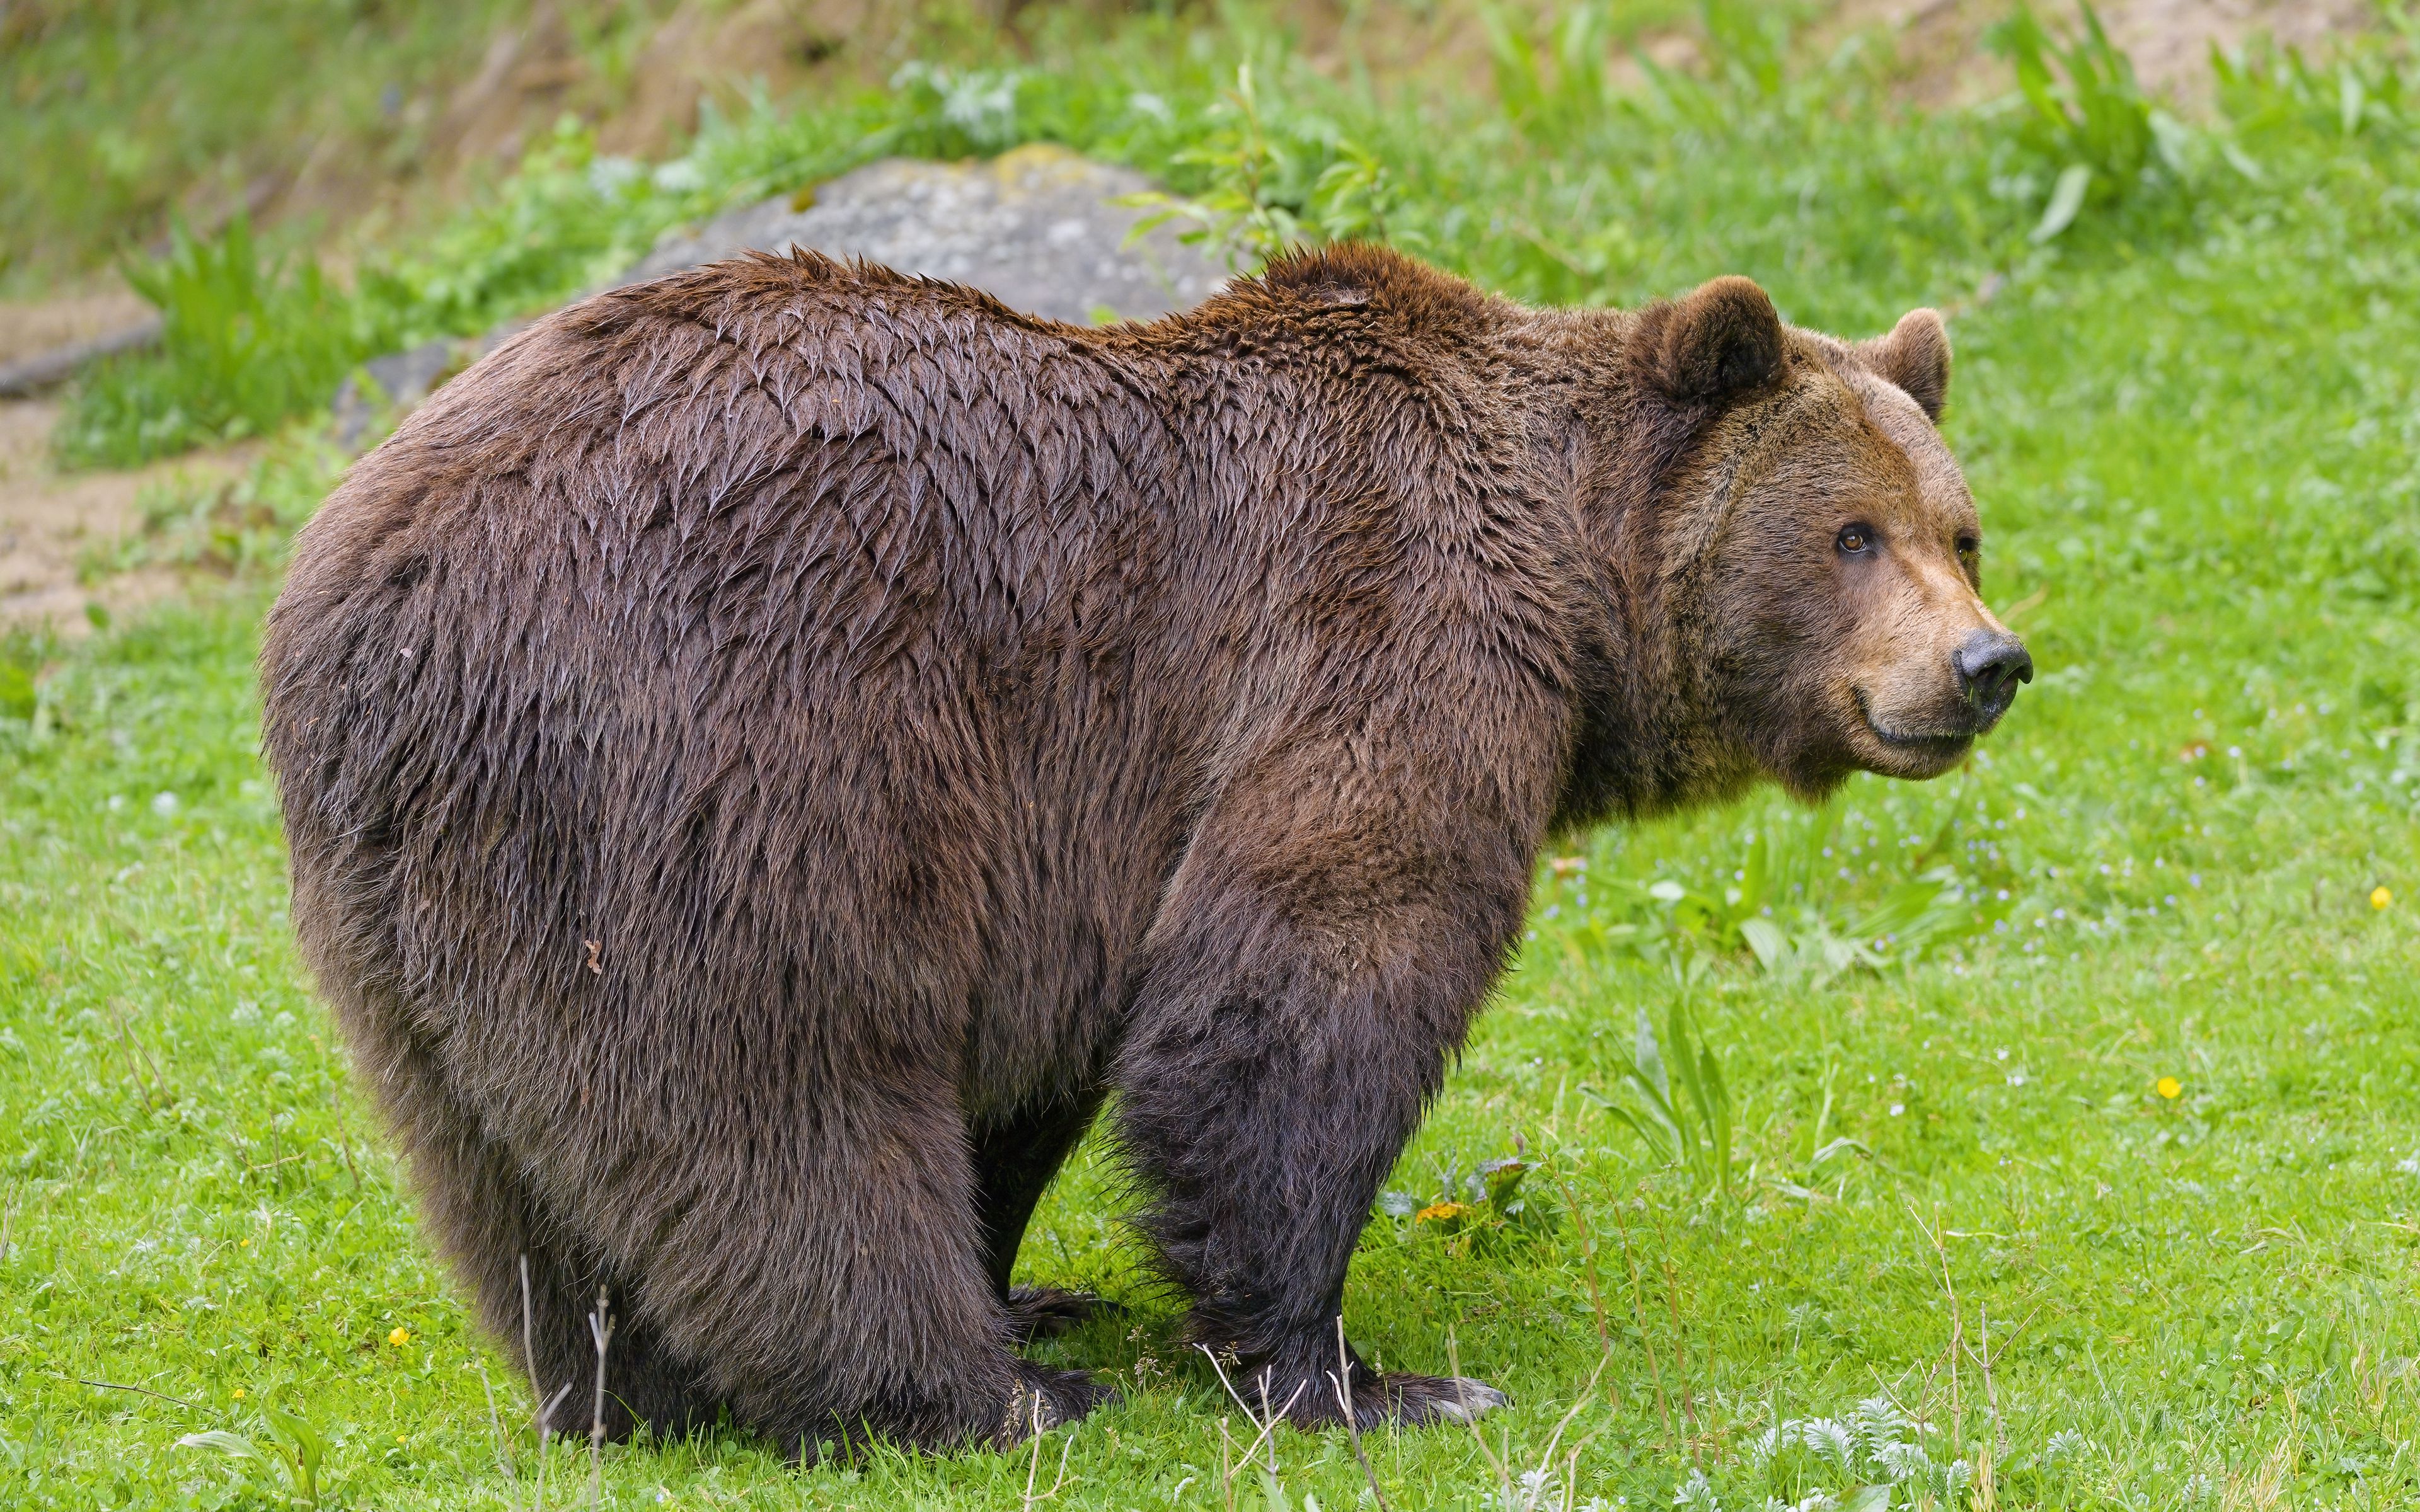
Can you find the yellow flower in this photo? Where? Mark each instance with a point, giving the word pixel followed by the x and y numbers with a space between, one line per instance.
pixel 2170 1088
pixel 238 1394
pixel 399 1438
pixel 2380 898
pixel 1440 1213
pixel 244 1243
pixel 400 1337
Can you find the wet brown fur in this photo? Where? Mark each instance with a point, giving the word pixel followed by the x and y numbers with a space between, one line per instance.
pixel 769 750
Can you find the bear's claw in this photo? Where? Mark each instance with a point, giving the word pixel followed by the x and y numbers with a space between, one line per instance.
pixel 1047 1312
pixel 1456 1399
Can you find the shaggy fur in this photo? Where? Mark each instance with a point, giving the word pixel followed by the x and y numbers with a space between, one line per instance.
pixel 767 751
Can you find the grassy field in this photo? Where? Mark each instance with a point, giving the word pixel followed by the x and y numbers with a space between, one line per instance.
pixel 2095 1185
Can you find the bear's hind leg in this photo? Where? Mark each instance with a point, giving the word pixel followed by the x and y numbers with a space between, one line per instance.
pixel 829 1265
pixel 497 1232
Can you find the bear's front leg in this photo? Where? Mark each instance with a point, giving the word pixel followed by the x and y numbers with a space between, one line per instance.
pixel 1308 975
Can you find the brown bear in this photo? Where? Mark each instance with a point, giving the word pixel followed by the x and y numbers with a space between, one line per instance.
pixel 768 752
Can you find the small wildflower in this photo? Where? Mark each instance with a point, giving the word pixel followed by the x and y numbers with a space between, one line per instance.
pixel 244 1243
pixel 2169 1088
pixel 400 1337
pixel 399 1438
pixel 1438 1213
pixel 238 1394
pixel 2380 898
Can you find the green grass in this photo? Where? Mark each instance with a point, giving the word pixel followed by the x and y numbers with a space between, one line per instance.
pixel 120 111
pixel 2190 416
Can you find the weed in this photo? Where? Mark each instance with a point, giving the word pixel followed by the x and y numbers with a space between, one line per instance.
pixel 1477 1208
pixel 2086 115
pixel 1691 1127
pixel 247 340
pixel 296 1448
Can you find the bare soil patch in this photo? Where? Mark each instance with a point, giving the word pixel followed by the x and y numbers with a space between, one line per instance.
pixel 1941 42
pixel 57 530
pixel 29 328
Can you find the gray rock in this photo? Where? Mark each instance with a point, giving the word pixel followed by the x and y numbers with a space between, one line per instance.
pixel 399 380
pixel 1039 228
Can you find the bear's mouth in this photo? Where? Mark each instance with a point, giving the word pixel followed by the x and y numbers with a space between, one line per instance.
pixel 1919 742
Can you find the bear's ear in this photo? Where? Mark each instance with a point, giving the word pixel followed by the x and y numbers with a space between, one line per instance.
pixel 1914 356
pixel 1722 340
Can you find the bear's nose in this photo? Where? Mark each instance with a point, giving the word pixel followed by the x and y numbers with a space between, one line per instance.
pixel 1991 664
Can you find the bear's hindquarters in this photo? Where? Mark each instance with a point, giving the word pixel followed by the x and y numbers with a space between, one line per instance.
pixel 535 1278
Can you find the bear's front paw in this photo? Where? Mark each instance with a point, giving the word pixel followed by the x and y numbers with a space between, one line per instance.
pixel 1047 1312
pixel 1416 1401
pixel 1310 1400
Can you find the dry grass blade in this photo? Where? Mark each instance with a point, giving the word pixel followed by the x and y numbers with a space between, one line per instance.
pixel 1033 1465
pixel 1343 1378
pixel 601 1328
pixel 496 1427
pixel 139 1391
pixel 1471 1419
pixel 1265 1428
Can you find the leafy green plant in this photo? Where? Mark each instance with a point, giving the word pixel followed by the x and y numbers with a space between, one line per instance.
pixel 1690 1128
pixel 1274 180
pixel 296 1448
pixel 2086 112
pixel 1490 1200
pixel 2370 85
pixel 1552 89
pixel 247 340
pixel 1820 1147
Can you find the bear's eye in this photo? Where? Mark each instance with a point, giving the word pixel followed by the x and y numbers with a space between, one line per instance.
pixel 1970 551
pixel 1855 540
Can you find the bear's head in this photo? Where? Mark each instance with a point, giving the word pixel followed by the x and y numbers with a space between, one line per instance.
pixel 1821 559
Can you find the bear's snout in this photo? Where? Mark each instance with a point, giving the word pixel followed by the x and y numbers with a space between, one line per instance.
pixel 1990 665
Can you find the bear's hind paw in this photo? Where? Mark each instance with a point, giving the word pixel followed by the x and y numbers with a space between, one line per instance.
pixel 1047 1400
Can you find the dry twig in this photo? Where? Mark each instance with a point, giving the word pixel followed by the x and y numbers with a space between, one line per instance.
pixel 601 1328
pixel 140 1391
pixel 504 1460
